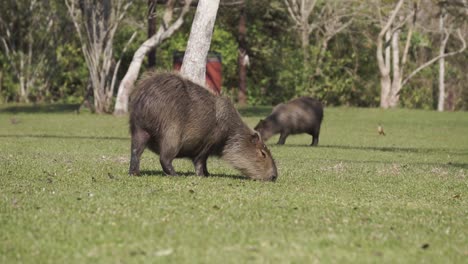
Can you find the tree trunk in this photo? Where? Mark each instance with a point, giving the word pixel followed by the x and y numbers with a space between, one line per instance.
pixel 152 31
pixel 126 85
pixel 305 44
pixel 394 96
pixel 384 63
pixel 386 84
pixel 384 60
pixel 441 101
pixel 242 58
pixel 164 32
pixel 194 64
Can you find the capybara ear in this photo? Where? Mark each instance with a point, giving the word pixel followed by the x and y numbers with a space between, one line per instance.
pixel 260 124
pixel 255 138
pixel 261 153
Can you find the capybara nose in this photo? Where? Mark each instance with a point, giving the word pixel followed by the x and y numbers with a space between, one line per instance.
pixel 273 177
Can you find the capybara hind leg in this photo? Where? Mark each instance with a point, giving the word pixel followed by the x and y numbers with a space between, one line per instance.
pixel 139 140
pixel 282 138
pixel 200 165
pixel 166 164
pixel 167 154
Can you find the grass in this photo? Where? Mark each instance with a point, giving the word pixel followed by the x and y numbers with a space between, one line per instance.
pixel 65 196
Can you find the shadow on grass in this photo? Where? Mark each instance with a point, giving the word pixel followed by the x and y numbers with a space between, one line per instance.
pixel 40 109
pixel 160 173
pixel 440 164
pixel 65 137
pixel 259 111
pixel 458 165
pixel 383 149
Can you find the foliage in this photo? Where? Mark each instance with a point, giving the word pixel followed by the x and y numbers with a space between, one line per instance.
pixel 347 75
pixel 72 75
pixel 420 93
pixel 357 198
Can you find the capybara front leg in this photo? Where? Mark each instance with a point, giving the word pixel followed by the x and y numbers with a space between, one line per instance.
pixel 138 145
pixel 166 164
pixel 282 138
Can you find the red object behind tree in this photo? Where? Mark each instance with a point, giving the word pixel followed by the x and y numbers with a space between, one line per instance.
pixel 214 76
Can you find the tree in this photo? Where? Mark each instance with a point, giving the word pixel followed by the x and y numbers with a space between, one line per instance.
pixel 446 28
pixel 334 17
pixel 300 11
pixel 325 19
pixel 96 23
pixel 243 57
pixel 194 64
pixel 165 31
pixel 391 85
pixel 24 27
pixel 151 31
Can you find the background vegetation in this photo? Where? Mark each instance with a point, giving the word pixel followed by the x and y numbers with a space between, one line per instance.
pixel 348 68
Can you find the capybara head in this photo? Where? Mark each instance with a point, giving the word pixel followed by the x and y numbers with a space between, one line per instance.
pixel 251 156
pixel 265 128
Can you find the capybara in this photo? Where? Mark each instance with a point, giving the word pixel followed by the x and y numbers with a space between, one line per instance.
pixel 177 118
pixel 300 115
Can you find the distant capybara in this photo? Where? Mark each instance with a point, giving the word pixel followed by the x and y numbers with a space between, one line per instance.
pixel 177 118
pixel 300 115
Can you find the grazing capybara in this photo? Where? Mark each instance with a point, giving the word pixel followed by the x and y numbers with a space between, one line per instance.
pixel 177 118
pixel 300 115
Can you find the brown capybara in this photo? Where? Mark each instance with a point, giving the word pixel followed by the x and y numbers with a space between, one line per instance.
pixel 177 118
pixel 300 115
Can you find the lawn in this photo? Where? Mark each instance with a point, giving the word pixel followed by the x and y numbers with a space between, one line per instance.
pixel 65 196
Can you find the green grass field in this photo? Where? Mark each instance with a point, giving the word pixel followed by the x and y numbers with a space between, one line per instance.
pixel 65 196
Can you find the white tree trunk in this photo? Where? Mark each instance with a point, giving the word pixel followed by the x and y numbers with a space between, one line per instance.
pixel 164 32
pixel 384 67
pixel 384 63
pixel 194 64
pixel 441 101
pixel 394 96
pixel 127 83
pixel 386 84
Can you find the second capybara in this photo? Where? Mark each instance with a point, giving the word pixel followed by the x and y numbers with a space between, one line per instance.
pixel 177 118
pixel 300 115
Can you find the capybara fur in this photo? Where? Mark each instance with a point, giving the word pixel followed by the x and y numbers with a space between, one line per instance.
pixel 177 118
pixel 300 115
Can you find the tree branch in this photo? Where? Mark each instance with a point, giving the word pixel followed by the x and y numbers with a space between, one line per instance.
pixel 428 63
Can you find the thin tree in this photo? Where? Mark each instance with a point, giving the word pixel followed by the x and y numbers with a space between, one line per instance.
pixel 25 41
pixel 450 14
pixel 96 23
pixel 326 19
pixel 194 64
pixel 165 30
pixel 151 31
pixel 243 57
pixel 300 12
pixel 392 78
